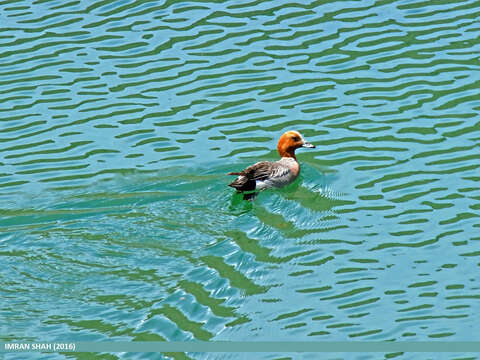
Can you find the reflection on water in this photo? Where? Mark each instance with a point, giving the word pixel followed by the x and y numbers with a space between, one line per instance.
pixel 120 120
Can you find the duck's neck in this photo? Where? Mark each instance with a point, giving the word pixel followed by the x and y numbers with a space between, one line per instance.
pixel 286 152
pixel 288 156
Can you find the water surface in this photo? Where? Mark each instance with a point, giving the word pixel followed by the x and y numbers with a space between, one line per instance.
pixel 120 119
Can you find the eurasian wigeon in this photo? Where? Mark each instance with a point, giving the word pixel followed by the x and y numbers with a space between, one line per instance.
pixel 268 174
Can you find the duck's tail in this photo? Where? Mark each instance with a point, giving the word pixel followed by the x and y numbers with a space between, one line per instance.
pixel 242 182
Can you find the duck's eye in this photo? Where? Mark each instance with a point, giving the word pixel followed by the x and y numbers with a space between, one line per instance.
pixel 296 138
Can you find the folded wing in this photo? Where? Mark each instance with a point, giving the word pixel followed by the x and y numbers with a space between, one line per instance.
pixel 261 171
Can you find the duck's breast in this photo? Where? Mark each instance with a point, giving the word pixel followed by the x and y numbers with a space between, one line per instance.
pixel 283 173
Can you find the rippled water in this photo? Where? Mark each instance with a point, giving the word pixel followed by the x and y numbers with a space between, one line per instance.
pixel 120 119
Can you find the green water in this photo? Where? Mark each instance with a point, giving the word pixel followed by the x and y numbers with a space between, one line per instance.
pixel 120 119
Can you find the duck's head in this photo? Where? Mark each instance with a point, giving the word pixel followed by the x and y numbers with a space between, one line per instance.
pixel 289 142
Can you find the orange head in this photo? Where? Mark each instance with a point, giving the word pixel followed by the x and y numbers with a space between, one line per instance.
pixel 289 142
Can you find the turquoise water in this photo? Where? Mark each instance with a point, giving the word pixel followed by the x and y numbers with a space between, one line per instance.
pixel 120 119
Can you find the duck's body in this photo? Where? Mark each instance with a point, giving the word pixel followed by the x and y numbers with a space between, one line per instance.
pixel 267 174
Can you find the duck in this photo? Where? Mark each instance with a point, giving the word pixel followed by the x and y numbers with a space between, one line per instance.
pixel 272 174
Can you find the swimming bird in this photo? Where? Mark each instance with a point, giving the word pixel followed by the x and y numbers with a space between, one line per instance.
pixel 267 174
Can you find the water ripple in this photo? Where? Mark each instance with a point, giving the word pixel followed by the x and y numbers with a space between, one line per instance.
pixel 117 121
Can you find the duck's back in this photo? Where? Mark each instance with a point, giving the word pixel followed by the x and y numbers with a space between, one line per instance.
pixel 266 174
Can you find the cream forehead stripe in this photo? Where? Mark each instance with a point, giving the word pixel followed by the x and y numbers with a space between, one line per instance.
pixel 297 133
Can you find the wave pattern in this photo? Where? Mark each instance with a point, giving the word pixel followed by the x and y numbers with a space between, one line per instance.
pixel 119 120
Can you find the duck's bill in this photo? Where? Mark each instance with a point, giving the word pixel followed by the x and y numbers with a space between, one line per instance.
pixel 308 145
